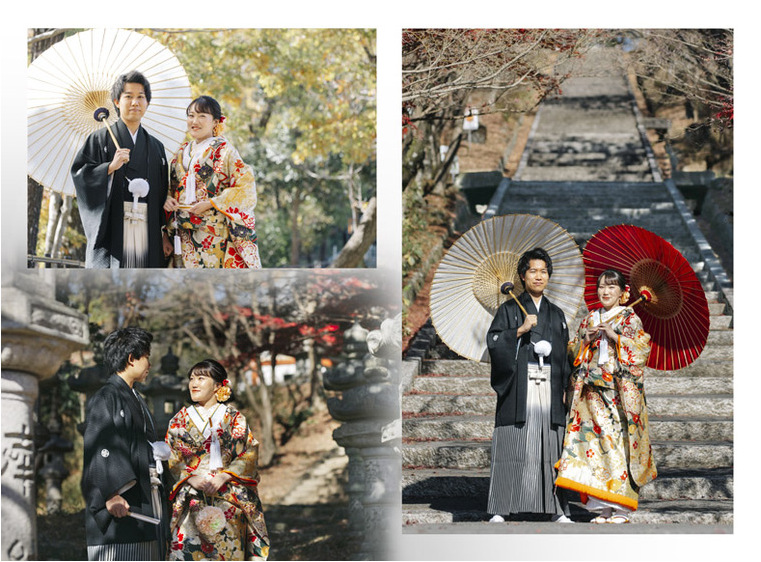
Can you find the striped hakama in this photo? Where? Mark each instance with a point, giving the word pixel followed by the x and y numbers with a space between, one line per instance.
pixel 522 456
pixel 148 550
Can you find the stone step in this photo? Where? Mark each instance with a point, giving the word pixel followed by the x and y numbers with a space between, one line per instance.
pixel 708 405
pixel 581 173
pixel 460 515
pixel 671 484
pixel 469 455
pixel 654 385
pixel 480 427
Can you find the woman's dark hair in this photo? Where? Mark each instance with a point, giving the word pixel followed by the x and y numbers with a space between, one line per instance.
pixel 122 344
pixel 214 369
pixel 133 77
pixel 535 254
pixel 612 276
pixel 206 104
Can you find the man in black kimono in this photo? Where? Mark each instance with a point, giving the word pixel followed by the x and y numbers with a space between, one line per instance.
pixel 529 372
pixel 102 175
pixel 119 475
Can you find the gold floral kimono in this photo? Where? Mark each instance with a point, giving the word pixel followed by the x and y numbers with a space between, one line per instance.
pixel 243 534
pixel 224 236
pixel 606 450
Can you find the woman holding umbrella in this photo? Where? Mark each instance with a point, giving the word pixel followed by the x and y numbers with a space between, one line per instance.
pixel 213 195
pixel 606 454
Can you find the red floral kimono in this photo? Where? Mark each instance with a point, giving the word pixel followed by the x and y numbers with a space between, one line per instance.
pixel 606 450
pixel 244 534
pixel 224 236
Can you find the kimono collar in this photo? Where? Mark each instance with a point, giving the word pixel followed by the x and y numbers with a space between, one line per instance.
pixel 205 426
pixel 602 315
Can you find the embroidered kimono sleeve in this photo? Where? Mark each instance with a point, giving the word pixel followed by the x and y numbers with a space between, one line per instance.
pixel 633 344
pixel 244 452
pixel 184 458
pixel 237 200
pixel 578 352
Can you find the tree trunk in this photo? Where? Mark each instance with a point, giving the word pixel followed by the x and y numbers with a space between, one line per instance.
pixel 267 444
pixel 354 251
pixel 316 398
pixel 295 235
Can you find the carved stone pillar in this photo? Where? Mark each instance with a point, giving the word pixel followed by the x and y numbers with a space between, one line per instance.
pixel 38 334
pixel 368 378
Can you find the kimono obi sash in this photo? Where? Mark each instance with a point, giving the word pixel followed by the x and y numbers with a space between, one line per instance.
pixel 210 428
pixel 213 223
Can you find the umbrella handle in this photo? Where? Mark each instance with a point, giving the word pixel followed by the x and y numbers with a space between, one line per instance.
pixel 518 302
pixel 113 137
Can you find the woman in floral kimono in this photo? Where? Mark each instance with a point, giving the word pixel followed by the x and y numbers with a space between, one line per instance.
pixel 606 455
pixel 216 512
pixel 213 195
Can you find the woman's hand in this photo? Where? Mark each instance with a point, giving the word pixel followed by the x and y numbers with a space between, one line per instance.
pixel 171 204
pixel 209 486
pixel 608 330
pixel 201 207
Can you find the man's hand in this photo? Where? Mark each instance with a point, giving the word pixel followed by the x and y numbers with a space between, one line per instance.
pixel 530 321
pixel 121 157
pixel 168 246
pixel 117 506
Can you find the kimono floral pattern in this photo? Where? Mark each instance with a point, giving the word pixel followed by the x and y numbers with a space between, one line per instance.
pixel 244 536
pixel 606 450
pixel 224 236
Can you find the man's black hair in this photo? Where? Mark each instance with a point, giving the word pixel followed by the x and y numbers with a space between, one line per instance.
pixel 122 344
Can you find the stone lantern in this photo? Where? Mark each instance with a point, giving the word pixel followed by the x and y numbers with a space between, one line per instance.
pixel 166 393
pixel 38 334
pixel 368 379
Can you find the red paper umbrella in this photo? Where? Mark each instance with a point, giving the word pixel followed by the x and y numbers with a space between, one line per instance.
pixel 664 289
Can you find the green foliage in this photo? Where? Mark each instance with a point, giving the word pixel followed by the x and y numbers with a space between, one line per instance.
pixel 300 107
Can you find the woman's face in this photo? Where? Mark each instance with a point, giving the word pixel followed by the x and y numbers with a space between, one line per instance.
pixel 200 125
pixel 202 388
pixel 609 293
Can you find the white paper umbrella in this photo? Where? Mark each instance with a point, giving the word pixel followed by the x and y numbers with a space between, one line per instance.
pixel 73 78
pixel 465 292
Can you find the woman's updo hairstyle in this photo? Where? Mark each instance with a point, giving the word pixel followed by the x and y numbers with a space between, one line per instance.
pixel 215 370
pixel 612 276
pixel 206 104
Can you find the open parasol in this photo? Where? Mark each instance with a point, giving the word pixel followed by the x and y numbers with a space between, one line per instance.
pixel 465 292
pixel 665 292
pixel 73 78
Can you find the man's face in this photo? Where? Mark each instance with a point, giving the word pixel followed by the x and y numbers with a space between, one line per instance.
pixel 139 368
pixel 536 278
pixel 132 103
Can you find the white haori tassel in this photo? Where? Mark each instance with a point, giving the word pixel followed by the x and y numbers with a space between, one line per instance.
pixel 543 349
pixel 161 452
pixel 136 225
pixel 597 318
pixel 215 452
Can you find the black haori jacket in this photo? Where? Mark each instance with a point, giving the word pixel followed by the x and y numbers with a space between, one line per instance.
pixel 510 356
pixel 101 211
pixel 116 453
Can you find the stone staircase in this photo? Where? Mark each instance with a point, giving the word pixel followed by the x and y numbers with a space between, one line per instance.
pixel 593 142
